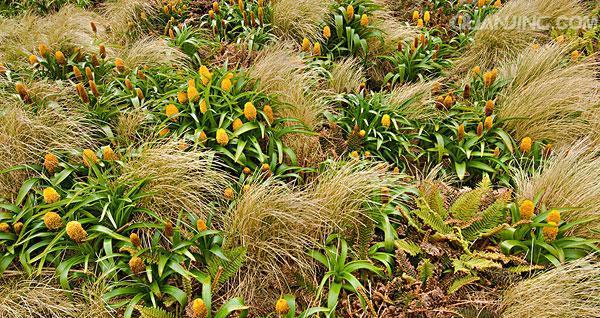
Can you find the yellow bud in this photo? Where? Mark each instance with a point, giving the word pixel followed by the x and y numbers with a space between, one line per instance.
pixel 222 137
pixel 326 32
pixel 249 111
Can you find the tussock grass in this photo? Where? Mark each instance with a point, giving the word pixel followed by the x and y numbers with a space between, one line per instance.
pixel 345 76
pixel 393 29
pixel 297 19
pixel 413 100
pixel 27 135
pixel 152 52
pixel 570 290
pixel 126 17
pixel 64 30
pixel 130 125
pixel 280 71
pixel 548 98
pixel 497 41
pixel 276 224
pixel 568 179
pixel 177 180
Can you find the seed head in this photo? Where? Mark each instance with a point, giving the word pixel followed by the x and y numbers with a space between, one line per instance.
pixel 89 157
pixel 76 231
pixel 168 229
pixel 526 209
pixel 249 111
pixel 50 195
pixel 222 137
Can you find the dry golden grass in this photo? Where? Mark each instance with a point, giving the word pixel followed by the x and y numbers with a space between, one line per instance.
pixel 297 19
pixel 130 125
pixel 177 179
pixel 393 30
pixel 568 179
pixel 279 70
pixel 345 76
pixel 569 291
pixel 419 94
pixel 152 52
pixel 498 40
pixel 549 98
pixel 126 18
pixel 64 30
pixel 276 225
pixel 26 136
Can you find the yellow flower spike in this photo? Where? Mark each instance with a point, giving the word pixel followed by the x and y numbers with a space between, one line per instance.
pixel 120 65
pixel 479 129
pixel 22 90
pixel 427 17
pixel 82 93
pixel 488 79
pixel 241 5
pixel 416 15
pixel 215 6
pixel 459 21
pixel 4 227
pixel 50 195
pixel 192 92
pixel 246 170
pixel 53 221
pixel 43 50
pixel 141 75
pixel 135 240
pixel 367 154
pixel 525 145
pixel 77 73
pixel 205 72
pixel 269 113
pixel 229 75
pixel 560 39
pixel 33 59
pixel 222 137
pixel 386 121
pixel 249 111
pixel 460 135
pixel 89 157
pixel 172 112
pixel 265 167
pixel 76 232
pixel 420 23
pixel 354 154
pixel 203 106
pixel 226 84
pixel 182 97
pixel 326 32
pixel 237 124
pixel 88 73
pixel 481 3
pixel 489 107
pixel 139 93
pixel 396 170
pixel 575 55
pixel 317 49
pixel 199 309
pixel 17 227
pixel 136 265
pixel 350 12
pixel 553 216
pixel 550 231
pixel 448 102
pixel 60 58
pixel 498 4
pixel 94 88
pixel 362 133
pixel 526 209
pixel 364 20
pixel 50 162
pixel 305 45
pixel 228 193
pixel 476 70
pixel 246 188
pixel 163 132
pixel 282 307
pixel 202 137
pixel 211 14
pixel 488 123
pixel 201 225
pixel 168 231
pixel 108 154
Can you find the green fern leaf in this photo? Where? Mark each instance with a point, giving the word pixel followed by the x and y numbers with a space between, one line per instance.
pixel 236 257
pixel 490 218
pixel 434 199
pixel 425 270
pixel 363 240
pixel 461 282
pixel 407 246
pixel 467 263
pixel 430 218
pixel 153 312
pixel 468 204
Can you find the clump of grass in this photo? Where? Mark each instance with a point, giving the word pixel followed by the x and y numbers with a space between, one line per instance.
pixel 413 100
pixel 345 76
pixel 176 179
pixel 297 19
pixel 26 135
pixel 568 179
pixel 276 225
pixel 497 40
pixel 64 30
pixel 130 125
pixel 151 52
pixel 548 98
pixel 393 31
pixel 569 290
pixel 128 19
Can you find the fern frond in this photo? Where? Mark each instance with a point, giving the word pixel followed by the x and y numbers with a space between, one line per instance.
pixel 430 218
pixel 461 282
pixel 153 312
pixel 407 246
pixel 524 268
pixel 435 200
pixel 425 270
pixel 494 256
pixel 468 263
pixel 366 228
pixel 187 286
pixel 468 204
pixel 490 218
pixel 236 257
